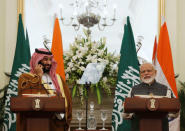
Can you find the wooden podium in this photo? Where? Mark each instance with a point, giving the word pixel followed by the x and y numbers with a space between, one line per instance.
pixel 36 113
pixel 151 111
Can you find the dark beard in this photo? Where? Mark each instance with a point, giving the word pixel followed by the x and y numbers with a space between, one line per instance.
pixel 46 70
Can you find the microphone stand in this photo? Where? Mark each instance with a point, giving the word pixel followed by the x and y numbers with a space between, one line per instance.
pixel 46 90
pixel 87 85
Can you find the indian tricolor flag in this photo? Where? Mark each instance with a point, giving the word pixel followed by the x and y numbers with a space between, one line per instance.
pixel 154 51
pixel 162 59
pixel 57 49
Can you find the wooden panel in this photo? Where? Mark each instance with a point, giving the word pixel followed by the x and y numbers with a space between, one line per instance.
pixel 150 125
pixel 51 104
pixel 140 104
pixel 44 124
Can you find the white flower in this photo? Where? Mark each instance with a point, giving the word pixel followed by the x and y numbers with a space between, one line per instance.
pixel 78 81
pixel 94 61
pixel 77 65
pixel 74 57
pixel 78 52
pixel 85 49
pixel 99 59
pixel 104 79
pixel 94 56
pixel 94 46
pixel 81 63
pixel 67 76
pixel 73 68
pixel 87 43
pixel 89 57
pixel 68 69
pixel 100 52
pixel 80 55
pixel 71 46
pixel 82 68
pixel 105 61
pixel 70 64
pixel 114 67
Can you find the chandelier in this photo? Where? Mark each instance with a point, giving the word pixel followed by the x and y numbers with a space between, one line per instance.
pixel 90 13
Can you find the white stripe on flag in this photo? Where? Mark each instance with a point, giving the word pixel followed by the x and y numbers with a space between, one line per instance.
pixel 174 125
pixel 160 77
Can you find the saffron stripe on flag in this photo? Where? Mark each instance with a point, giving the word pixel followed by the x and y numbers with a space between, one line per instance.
pixel 57 49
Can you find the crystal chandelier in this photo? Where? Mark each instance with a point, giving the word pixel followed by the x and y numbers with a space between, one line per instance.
pixel 90 13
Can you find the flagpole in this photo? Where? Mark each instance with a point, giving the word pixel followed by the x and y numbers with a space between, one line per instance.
pixel 161 14
pixel 87 85
pixel 20 9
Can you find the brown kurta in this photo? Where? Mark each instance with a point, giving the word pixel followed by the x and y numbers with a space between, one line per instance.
pixel 56 124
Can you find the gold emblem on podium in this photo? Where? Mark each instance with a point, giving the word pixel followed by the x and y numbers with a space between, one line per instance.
pixel 37 103
pixel 152 103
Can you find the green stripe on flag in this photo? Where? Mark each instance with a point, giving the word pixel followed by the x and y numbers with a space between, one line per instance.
pixel 128 76
pixel 20 65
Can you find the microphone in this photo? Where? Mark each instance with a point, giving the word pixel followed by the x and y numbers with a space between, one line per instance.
pixel 50 83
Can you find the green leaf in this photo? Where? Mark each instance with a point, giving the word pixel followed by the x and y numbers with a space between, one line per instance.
pixel 74 91
pixel 85 92
pixel 98 94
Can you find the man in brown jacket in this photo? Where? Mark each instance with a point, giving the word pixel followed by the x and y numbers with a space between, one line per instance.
pixel 44 66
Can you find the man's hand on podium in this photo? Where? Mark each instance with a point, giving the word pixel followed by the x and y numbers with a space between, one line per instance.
pixel 59 116
pixel 127 115
pixel 173 115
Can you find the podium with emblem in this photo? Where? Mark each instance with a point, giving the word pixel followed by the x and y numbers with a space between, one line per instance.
pixel 151 111
pixel 36 113
pixel 35 106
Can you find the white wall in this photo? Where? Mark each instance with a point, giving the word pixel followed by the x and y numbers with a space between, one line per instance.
pixel 8 26
pixel 180 49
pixel 10 33
pixel 2 41
pixel 175 18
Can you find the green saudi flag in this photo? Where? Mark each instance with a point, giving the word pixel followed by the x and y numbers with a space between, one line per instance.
pixel 128 76
pixel 20 65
